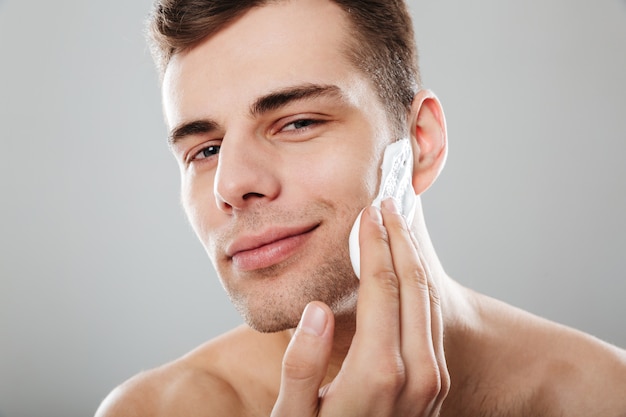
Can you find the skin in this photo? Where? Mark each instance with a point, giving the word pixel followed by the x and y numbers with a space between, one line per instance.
pixel 261 190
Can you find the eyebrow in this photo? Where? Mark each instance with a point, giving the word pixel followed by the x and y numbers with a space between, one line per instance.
pixel 267 103
pixel 191 128
pixel 277 99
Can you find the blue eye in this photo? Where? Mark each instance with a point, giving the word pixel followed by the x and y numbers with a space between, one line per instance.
pixel 300 124
pixel 207 152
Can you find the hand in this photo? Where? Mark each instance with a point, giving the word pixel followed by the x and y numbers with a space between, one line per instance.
pixel 396 364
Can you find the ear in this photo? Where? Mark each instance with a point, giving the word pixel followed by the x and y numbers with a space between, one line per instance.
pixel 428 138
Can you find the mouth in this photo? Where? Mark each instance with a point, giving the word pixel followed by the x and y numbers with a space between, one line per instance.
pixel 249 253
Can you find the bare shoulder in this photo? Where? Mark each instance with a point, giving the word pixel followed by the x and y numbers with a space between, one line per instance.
pixel 585 376
pixel 173 389
pixel 568 372
pixel 523 365
pixel 205 382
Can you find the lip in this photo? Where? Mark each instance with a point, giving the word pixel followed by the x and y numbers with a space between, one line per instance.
pixel 268 248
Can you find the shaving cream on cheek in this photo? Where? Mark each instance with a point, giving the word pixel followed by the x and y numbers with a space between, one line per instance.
pixel 396 183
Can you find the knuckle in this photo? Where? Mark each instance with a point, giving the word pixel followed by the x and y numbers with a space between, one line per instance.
pixel 419 279
pixel 298 368
pixel 390 378
pixel 428 386
pixel 415 280
pixel 434 294
pixel 382 236
pixel 396 224
pixel 388 280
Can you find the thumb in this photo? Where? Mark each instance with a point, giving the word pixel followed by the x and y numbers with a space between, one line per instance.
pixel 305 363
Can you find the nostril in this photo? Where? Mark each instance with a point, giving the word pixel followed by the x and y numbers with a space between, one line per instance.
pixel 225 206
pixel 249 195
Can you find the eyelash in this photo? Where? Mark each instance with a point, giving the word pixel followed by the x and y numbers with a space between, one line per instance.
pixel 309 123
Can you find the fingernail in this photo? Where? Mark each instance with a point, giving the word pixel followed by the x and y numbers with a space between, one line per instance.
pixel 391 205
pixel 375 215
pixel 313 320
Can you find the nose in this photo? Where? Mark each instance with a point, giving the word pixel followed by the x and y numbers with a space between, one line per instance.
pixel 246 174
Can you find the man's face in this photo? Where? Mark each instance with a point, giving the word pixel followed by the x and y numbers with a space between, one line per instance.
pixel 279 139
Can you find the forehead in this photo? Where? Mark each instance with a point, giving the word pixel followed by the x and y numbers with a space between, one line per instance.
pixel 268 48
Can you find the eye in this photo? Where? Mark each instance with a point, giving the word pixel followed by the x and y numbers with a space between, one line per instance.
pixel 206 152
pixel 300 124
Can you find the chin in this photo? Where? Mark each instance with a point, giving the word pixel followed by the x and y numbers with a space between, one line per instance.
pixel 276 304
pixel 270 324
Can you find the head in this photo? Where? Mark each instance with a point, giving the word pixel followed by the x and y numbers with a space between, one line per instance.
pixel 279 112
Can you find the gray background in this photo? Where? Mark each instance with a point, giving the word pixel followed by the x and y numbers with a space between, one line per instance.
pixel 101 277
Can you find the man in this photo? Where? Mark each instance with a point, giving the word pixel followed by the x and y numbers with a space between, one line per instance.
pixel 279 112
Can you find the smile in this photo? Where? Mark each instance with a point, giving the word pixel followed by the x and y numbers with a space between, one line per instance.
pixel 249 253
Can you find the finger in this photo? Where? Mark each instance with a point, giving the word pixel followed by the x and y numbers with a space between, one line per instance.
pixel 375 351
pixel 305 363
pixel 413 281
pixel 416 315
pixel 436 320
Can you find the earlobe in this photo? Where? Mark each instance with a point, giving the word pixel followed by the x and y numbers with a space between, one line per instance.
pixel 428 138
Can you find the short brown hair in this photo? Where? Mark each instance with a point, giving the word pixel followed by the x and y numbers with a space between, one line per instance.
pixel 383 47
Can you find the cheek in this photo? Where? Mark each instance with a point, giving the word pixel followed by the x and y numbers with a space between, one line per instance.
pixel 340 177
